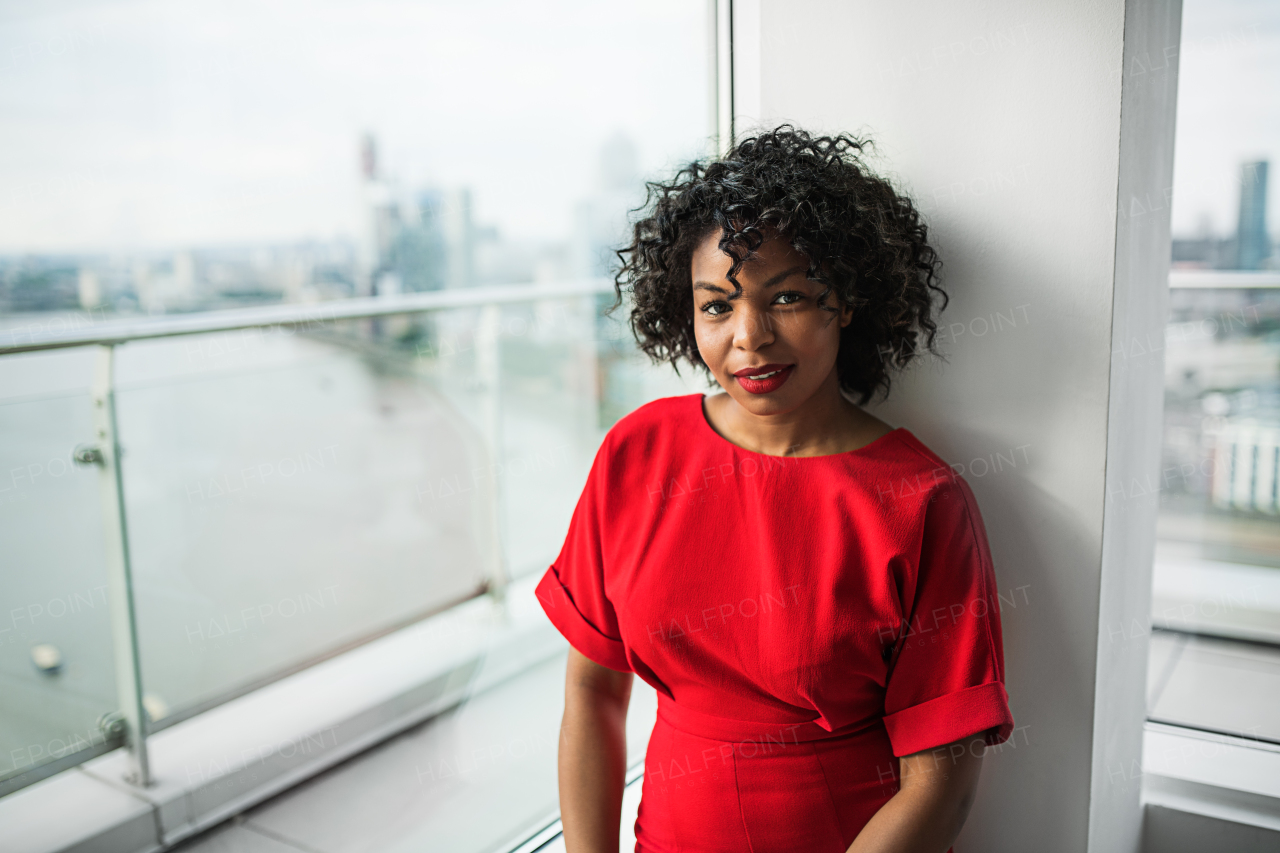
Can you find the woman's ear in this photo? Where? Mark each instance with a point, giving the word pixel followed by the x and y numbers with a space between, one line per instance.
pixel 846 314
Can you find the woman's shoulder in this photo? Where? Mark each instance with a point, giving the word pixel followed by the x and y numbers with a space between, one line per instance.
pixel 915 453
pixel 639 429
pixel 911 472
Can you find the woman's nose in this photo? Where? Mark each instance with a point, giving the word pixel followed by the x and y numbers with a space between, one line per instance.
pixel 753 329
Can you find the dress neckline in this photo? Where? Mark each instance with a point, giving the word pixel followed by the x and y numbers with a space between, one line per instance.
pixel 701 416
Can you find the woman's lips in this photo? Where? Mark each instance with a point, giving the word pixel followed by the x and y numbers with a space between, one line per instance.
pixel 772 378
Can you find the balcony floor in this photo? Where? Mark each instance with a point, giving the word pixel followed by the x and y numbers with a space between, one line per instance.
pixel 1215 684
pixel 469 780
pixel 476 777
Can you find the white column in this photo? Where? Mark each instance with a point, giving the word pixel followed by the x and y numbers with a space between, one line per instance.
pixel 1037 138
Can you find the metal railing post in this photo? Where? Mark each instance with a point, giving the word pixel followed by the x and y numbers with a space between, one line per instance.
pixel 124 628
pixel 489 368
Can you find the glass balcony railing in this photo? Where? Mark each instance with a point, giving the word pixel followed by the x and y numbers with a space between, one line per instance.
pixel 55 630
pixel 292 482
pixel 329 505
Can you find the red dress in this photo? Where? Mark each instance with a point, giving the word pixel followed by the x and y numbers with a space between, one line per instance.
pixel 803 620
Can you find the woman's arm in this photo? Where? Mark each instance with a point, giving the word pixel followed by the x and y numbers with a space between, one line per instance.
pixel 593 754
pixel 935 792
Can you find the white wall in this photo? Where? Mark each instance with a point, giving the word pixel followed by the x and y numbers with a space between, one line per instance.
pixel 1004 120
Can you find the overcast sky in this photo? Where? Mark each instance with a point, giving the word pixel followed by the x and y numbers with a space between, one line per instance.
pixel 127 124
pixel 1228 109
pixel 162 124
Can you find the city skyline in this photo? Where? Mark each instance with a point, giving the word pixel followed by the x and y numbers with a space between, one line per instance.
pixel 411 238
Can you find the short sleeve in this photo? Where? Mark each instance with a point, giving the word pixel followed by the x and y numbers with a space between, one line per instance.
pixel 947 679
pixel 572 592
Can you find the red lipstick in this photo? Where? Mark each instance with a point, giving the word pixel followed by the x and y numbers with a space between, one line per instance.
pixel 771 377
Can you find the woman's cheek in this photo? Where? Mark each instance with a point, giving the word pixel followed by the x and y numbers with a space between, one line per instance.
pixel 711 347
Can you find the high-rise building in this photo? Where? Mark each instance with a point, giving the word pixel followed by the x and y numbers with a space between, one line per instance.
pixel 601 221
pixel 412 241
pixel 89 288
pixel 459 237
pixel 419 254
pixel 1253 245
pixel 380 220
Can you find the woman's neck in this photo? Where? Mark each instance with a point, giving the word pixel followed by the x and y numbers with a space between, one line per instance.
pixel 825 424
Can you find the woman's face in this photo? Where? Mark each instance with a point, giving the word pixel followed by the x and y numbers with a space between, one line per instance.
pixel 769 345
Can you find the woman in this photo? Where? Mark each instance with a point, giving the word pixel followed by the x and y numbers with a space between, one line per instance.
pixel 808 589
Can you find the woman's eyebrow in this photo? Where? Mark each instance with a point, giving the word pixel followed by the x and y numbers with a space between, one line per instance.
pixel 773 282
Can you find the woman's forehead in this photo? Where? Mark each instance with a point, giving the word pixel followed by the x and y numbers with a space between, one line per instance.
pixel 709 261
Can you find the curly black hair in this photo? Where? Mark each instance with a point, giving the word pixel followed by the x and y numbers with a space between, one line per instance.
pixel 864 240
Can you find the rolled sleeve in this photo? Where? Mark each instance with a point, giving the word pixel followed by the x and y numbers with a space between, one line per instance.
pixel 949 718
pixel 557 601
pixel 947 681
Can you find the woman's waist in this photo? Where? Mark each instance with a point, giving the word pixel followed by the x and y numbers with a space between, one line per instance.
pixel 781 731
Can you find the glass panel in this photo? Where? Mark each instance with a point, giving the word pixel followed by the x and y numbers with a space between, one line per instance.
pixel 276 510
pixel 1215 657
pixel 550 424
pixel 56 667
pixel 568 374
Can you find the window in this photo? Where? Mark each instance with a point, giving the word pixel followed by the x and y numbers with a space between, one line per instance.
pixel 1215 656
pixel 294 490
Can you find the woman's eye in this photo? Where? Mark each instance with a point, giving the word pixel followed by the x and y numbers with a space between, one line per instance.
pixel 715 308
pixel 789 297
